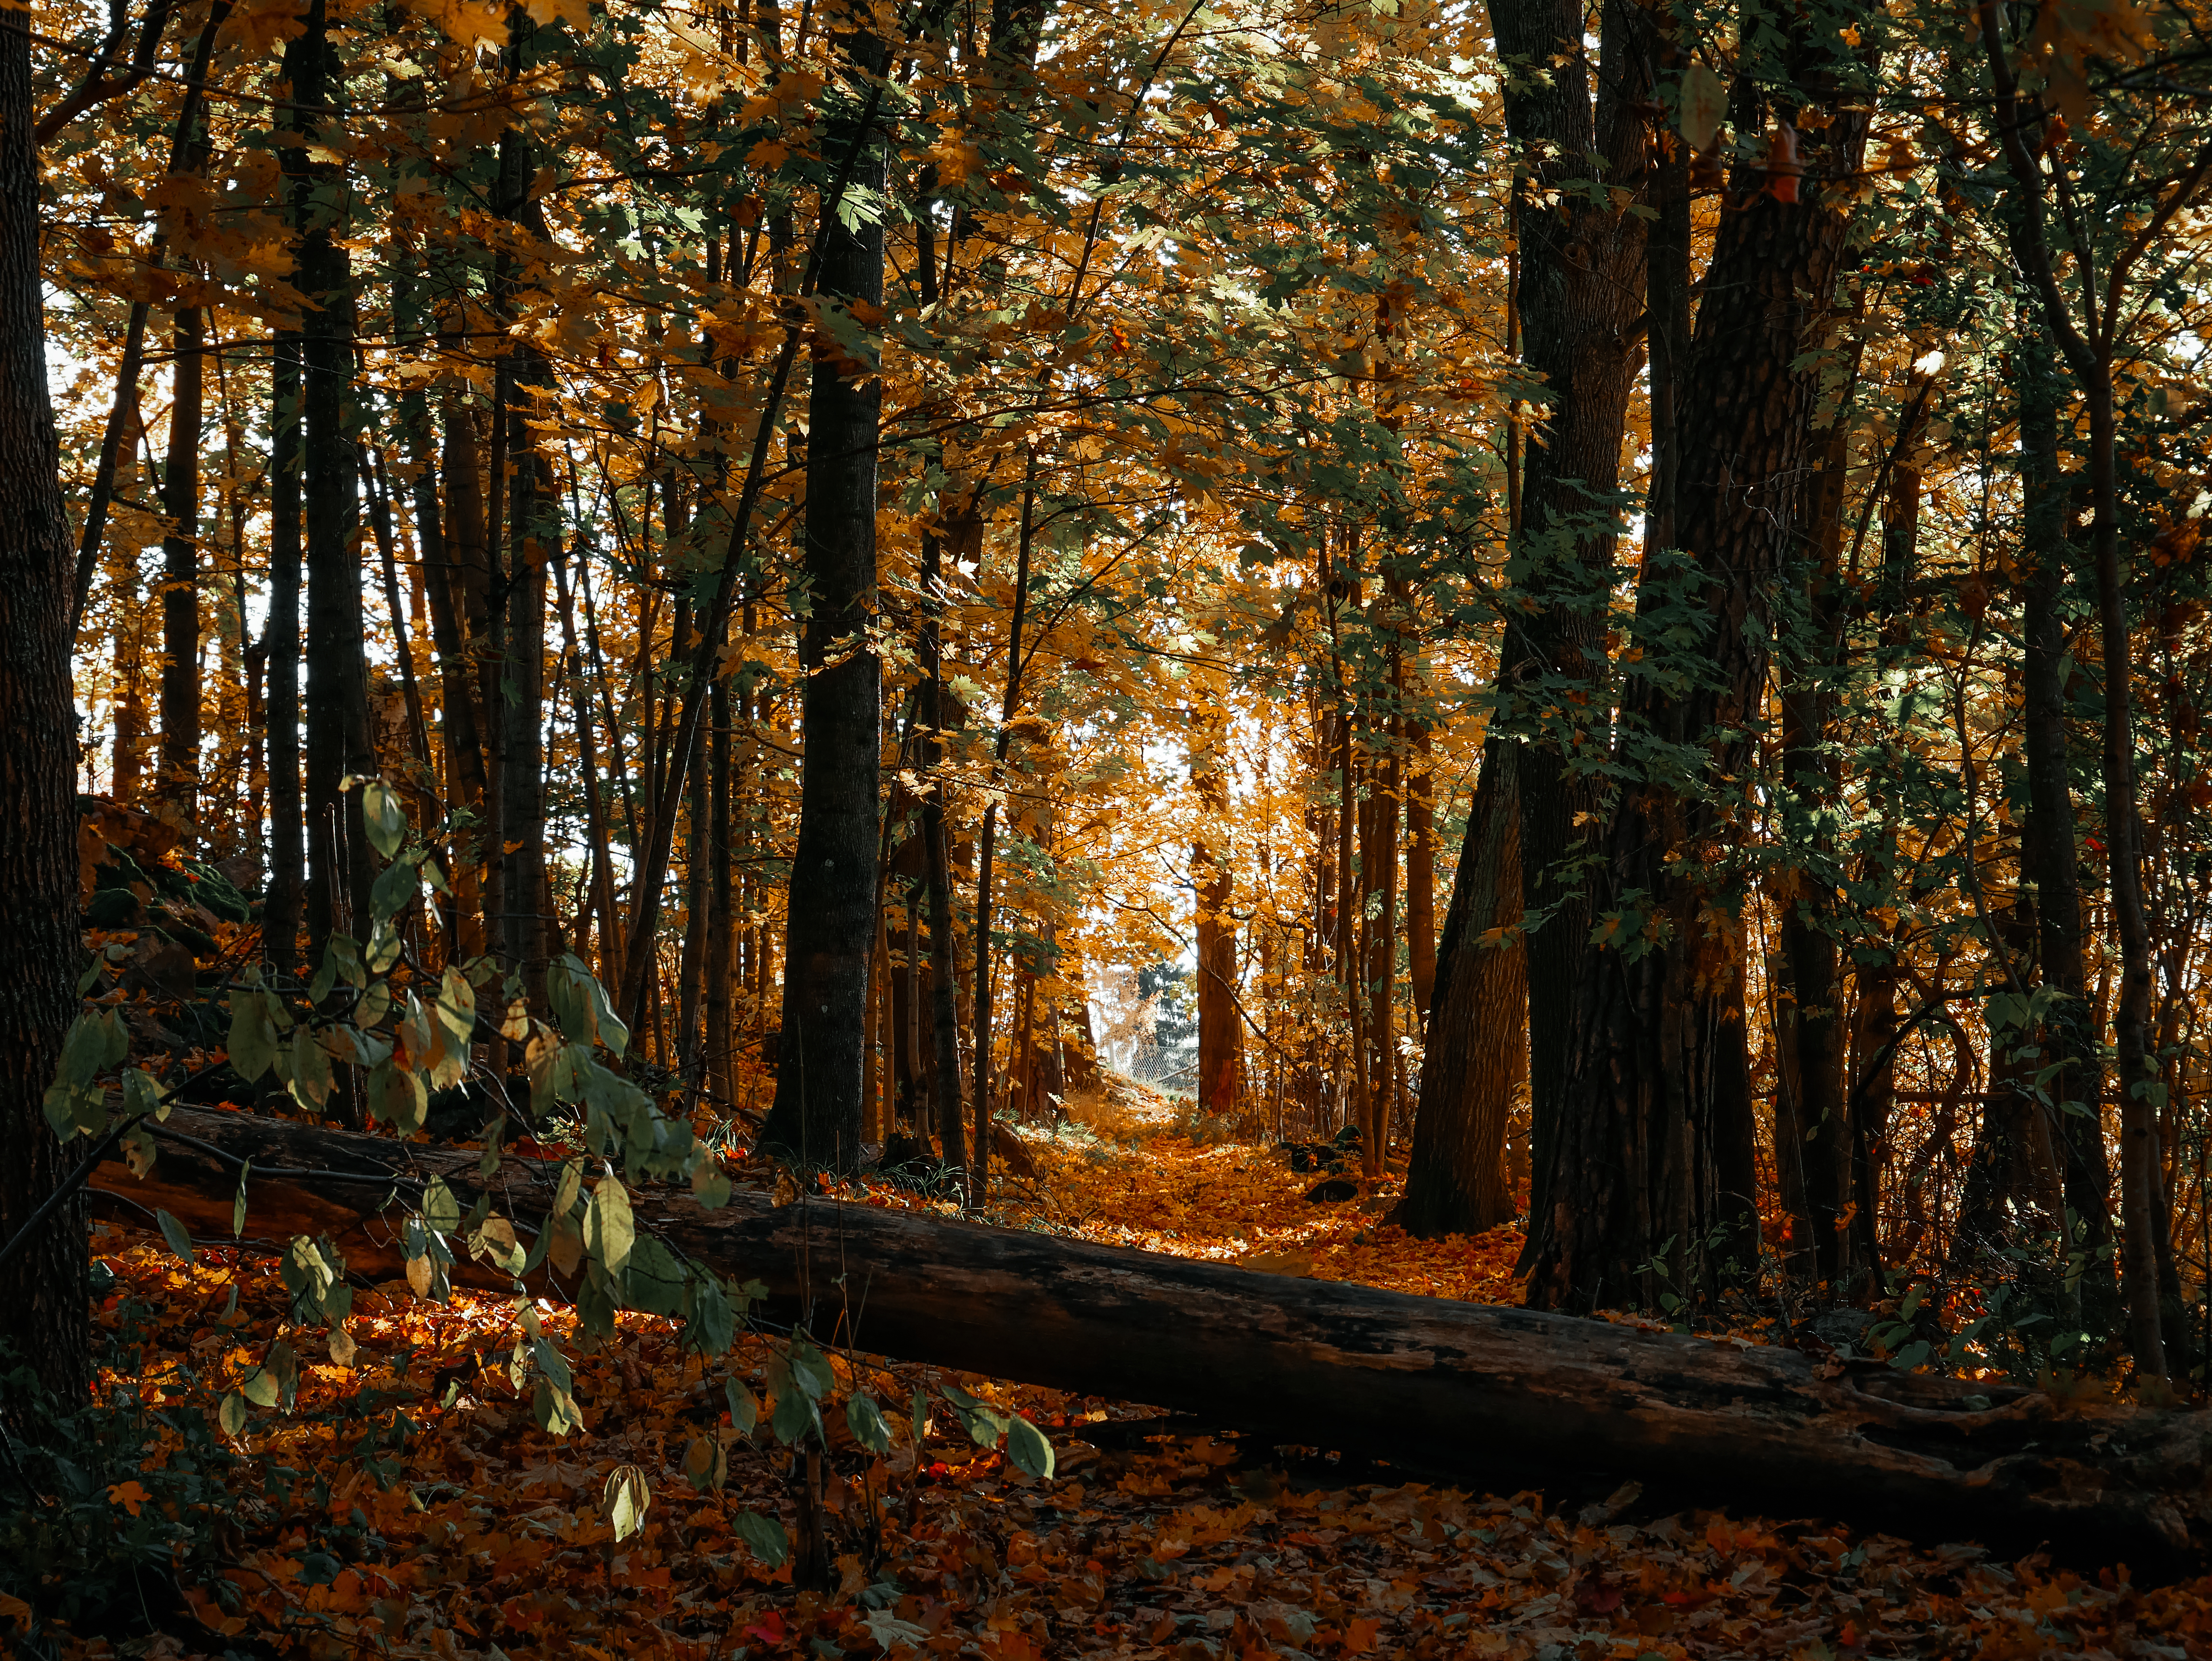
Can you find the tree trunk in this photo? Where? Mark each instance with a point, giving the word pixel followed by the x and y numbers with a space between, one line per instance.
pixel 1811 1140
pixel 337 703
pixel 1455 1183
pixel 43 1296
pixel 181 575
pixel 1421 868
pixel 1214 876
pixel 279 639
pixel 721 924
pixel 2049 856
pixel 830 940
pixel 1579 294
pixel 1652 1196
pixel 1308 1361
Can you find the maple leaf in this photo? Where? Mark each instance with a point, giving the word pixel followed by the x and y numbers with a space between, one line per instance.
pixel 131 1496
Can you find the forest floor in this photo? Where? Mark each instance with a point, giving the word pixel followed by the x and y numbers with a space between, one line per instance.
pixel 482 1536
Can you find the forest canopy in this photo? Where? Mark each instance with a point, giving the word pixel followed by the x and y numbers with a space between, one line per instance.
pixel 1589 618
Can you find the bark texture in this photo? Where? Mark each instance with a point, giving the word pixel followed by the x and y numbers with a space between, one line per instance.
pixel 1455 1183
pixel 1652 1178
pixel 43 1295
pixel 820 1067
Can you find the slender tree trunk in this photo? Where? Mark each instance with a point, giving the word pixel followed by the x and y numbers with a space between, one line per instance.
pixel 44 1302
pixel 1455 1183
pixel 1213 877
pixel 829 941
pixel 721 922
pixel 2089 352
pixel 980 1172
pixel 337 700
pixel 1421 869
pixel 1811 1140
pixel 2049 857
pixel 181 575
pixel 280 930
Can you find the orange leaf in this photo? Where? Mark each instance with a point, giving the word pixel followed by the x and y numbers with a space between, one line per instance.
pixel 128 1495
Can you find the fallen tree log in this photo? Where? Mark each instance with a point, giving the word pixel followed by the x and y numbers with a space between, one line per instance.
pixel 1480 1392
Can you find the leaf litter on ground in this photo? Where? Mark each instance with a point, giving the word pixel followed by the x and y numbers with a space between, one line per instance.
pixel 411 1507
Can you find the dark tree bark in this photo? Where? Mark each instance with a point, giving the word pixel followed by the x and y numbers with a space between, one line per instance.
pixel 1812 1134
pixel 1220 1046
pixel 721 924
pixel 1580 291
pixel 44 1300
pixel 338 741
pixel 180 574
pixel 2089 344
pixel 1421 866
pixel 1302 1360
pixel 280 638
pixel 829 943
pixel 2049 856
pixel 1455 1183
pixel 1653 1183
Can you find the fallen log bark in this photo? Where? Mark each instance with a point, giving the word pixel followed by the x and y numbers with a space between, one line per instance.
pixel 1478 1391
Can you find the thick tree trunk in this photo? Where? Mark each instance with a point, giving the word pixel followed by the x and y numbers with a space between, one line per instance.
pixel 43 1296
pixel 830 941
pixel 1579 292
pixel 1307 1361
pixel 1455 1183
pixel 1653 1176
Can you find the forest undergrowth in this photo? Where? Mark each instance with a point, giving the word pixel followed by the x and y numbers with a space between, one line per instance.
pixel 407 1504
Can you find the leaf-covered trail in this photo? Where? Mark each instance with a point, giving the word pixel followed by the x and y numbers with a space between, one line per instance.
pixel 409 1506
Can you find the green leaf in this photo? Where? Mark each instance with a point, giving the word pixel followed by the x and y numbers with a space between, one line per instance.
pixel 441 1207
pixel 384 817
pixel 794 1413
pixel 142 1095
pixel 311 1069
pixel 653 1282
pixel 713 1327
pixel 570 1188
pixel 138 1151
pixel 397 1096
pixel 555 1408
pixel 568 993
pixel 709 1186
pixel 609 1231
pixel 706 1463
pixel 1027 1447
pixel 260 1387
pixel 921 1417
pixel 814 1373
pixel 231 1416
pixel 457 1013
pixel 393 890
pixel 179 1239
pixel 1704 102
pixel 767 1538
pixel 625 1501
pixel 238 1203
pixel 865 1421
pixel 744 1409
pixel 285 1366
